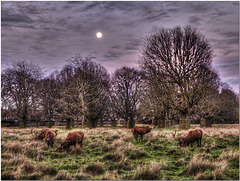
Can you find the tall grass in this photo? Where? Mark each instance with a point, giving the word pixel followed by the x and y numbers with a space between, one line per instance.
pixel 113 154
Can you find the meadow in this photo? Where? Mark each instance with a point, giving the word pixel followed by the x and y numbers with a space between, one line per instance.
pixel 113 154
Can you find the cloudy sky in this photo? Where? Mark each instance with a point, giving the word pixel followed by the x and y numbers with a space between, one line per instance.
pixel 49 33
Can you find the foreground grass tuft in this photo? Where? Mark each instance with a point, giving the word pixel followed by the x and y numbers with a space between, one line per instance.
pixel 152 172
pixel 63 175
pixel 95 169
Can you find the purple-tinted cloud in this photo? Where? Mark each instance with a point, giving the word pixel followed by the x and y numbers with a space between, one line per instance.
pixel 51 32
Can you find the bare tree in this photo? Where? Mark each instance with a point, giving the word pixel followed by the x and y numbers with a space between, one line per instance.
pixel 126 93
pixel 85 90
pixel 179 60
pixel 208 107
pixel 18 86
pixel 49 92
pixel 229 105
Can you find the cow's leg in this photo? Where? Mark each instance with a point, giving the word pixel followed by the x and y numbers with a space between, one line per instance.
pixel 75 147
pixel 136 137
pixel 141 137
pixel 81 146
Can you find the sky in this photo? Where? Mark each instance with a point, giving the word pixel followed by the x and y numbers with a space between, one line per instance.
pixel 49 33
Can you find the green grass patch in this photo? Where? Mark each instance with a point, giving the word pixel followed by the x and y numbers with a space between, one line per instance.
pixel 112 153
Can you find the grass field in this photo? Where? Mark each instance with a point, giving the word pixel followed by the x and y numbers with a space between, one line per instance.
pixel 112 154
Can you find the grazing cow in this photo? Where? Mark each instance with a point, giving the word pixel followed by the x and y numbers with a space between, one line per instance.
pixel 192 136
pixel 140 131
pixel 47 134
pixel 41 135
pixel 49 137
pixel 73 138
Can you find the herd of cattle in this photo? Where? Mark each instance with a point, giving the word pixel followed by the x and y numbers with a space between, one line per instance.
pixel 76 137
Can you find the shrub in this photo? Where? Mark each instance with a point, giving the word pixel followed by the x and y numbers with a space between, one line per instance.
pixel 95 169
pixel 63 175
pixel 152 172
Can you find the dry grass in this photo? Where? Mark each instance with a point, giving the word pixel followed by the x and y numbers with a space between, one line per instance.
pixel 229 155
pixel 63 175
pixel 151 172
pixel 197 165
pixel 112 154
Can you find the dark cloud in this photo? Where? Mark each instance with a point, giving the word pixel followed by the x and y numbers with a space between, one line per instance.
pixel 113 54
pixel 11 17
pixel 194 20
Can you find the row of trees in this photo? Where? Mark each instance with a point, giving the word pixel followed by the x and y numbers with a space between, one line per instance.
pixel 175 80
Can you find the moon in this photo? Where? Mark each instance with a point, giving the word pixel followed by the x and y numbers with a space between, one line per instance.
pixel 99 35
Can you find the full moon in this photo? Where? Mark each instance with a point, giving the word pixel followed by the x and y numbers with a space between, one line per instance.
pixel 99 35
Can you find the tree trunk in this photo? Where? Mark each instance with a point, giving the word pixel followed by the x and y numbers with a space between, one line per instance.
pixel 125 124
pixel 113 123
pixel 184 121
pixel 68 123
pixel 205 123
pixel 101 123
pixel 49 124
pixel 156 122
pixel 83 121
pixel 23 123
pixel 131 123
pixel 77 122
pixel 37 122
pixel 92 123
pixel 161 123
pixel 167 123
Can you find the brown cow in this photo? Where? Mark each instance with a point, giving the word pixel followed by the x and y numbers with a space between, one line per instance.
pixel 49 137
pixel 192 136
pixel 73 138
pixel 47 134
pixel 41 135
pixel 140 131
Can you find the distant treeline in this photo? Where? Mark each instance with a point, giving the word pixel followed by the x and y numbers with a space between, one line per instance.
pixel 174 83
